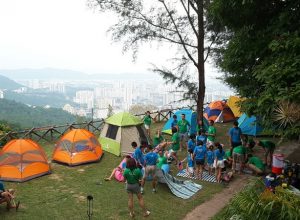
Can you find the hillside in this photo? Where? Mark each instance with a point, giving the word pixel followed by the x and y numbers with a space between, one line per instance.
pixel 28 117
pixel 6 83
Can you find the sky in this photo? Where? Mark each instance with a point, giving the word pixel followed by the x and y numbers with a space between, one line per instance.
pixel 65 34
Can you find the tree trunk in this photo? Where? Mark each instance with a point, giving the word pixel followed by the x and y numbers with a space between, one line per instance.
pixel 200 68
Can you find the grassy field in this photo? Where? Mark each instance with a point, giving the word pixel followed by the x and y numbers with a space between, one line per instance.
pixel 62 195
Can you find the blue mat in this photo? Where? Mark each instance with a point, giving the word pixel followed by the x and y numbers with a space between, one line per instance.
pixel 205 176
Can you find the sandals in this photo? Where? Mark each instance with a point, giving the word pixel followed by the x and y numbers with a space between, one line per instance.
pixel 147 213
pixel 131 214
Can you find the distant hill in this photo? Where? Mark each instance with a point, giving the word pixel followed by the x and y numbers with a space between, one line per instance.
pixel 27 117
pixel 6 83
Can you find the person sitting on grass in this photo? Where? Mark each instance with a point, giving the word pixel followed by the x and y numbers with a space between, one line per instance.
pixel 199 155
pixel 210 159
pixel 121 169
pixel 269 148
pixel 192 142
pixel 133 177
pixel 219 161
pixel 255 164
pixel 239 156
pixel 150 169
pixel 8 197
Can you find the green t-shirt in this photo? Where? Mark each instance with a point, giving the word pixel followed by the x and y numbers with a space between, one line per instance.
pixel 182 126
pixel 227 154
pixel 267 144
pixel 147 120
pixel 256 162
pixel 239 149
pixel 161 161
pixel 211 130
pixel 157 140
pixel 132 176
pixel 176 141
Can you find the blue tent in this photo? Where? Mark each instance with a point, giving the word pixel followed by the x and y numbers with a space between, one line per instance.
pixel 249 125
pixel 190 116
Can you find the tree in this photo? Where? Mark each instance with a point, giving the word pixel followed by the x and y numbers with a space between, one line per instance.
pixel 178 22
pixel 110 111
pixel 261 57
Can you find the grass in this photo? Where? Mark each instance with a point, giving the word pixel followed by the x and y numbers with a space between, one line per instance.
pixel 62 195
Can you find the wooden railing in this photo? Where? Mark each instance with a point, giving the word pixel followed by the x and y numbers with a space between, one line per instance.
pixel 53 132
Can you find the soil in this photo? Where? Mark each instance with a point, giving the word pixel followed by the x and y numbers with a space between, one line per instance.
pixel 207 210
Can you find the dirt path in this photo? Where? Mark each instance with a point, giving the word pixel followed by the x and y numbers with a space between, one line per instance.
pixel 210 208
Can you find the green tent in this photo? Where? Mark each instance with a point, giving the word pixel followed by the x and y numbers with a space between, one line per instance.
pixel 119 131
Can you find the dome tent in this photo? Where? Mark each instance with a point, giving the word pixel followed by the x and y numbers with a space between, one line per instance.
pixel 76 147
pixel 119 131
pixel 22 160
pixel 219 111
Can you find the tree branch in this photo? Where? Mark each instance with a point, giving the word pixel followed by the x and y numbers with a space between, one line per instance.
pixel 190 19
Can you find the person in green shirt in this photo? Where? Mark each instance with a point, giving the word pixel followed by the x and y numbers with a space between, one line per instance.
pixel 238 155
pixel 228 158
pixel 211 133
pixel 269 148
pixel 183 128
pixel 161 159
pixel 255 164
pixel 158 138
pixel 147 122
pixel 175 145
pixel 133 177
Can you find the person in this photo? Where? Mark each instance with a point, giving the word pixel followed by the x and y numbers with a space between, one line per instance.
pixel 191 142
pixel 133 176
pixel 235 136
pixel 269 148
pixel 202 137
pixel 210 159
pixel 183 127
pixel 8 197
pixel 158 138
pixel 228 159
pixel 147 123
pixel 255 164
pixel 150 169
pixel 161 160
pixel 211 133
pixel 200 126
pixel 174 122
pixel 174 145
pixel 138 154
pixel 190 163
pixel 219 160
pixel 121 169
pixel 199 155
pixel 239 156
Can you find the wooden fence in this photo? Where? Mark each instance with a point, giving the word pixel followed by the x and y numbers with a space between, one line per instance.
pixel 53 132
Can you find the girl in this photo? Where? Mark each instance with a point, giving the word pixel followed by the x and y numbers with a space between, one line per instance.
pixel 210 159
pixel 199 158
pixel 190 163
pixel 219 160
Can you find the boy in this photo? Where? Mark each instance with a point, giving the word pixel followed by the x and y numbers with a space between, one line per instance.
pixel 235 136
pixel 191 142
pixel 183 127
pixel 150 169
pixel 202 137
pixel 174 122
pixel 138 154
pixel 199 158
pixel 210 159
pixel 211 133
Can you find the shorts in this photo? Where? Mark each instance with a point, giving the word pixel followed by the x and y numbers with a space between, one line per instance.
pixel 199 162
pixel 191 170
pixel 133 188
pixel 210 165
pixel 220 164
pixel 235 144
pixel 147 127
pixel 238 158
pixel 150 170
pixel 208 143
pixel 183 136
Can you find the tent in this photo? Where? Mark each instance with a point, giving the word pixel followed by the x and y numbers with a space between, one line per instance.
pixel 249 125
pixel 119 131
pixel 218 111
pixel 232 103
pixel 190 116
pixel 22 160
pixel 78 146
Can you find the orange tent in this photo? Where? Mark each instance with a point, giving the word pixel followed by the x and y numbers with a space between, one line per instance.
pixel 76 147
pixel 218 111
pixel 22 160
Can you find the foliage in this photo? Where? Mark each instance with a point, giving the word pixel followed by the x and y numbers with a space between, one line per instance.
pixel 4 128
pixel 179 23
pixel 110 111
pixel 28 117
pixel 260 57
pixel 6 83
pixel 256 202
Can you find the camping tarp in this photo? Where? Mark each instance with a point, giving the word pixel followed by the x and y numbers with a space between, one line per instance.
pixel 249 125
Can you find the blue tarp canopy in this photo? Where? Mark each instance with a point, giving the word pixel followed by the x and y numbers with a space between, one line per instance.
pixel 249 125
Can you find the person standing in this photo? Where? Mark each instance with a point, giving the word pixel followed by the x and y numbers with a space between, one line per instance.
pixel 133 176
pixel 158 138
pixel 174 122
pixel 174 145
pixel 183 127
pixel 219 161
pixel 199 158
pixel 269 148
pixel 138 154
pixel 147 123
pixel 150 169
pixel 211 133
pixel 235 136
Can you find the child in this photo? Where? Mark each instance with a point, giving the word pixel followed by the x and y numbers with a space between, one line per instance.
pixel 161 160
pixel 199 158
pixel 174 122
pixel 138 154
pixel 211 133
pixel 191 142
pixel 175 145
pixel 121 169
pixel 190 163
pixel 219 161
pixel 210 159
pixel 150 169
pixel 202 137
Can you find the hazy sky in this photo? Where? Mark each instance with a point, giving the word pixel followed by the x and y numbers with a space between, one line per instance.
pixel 64 34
